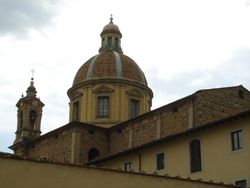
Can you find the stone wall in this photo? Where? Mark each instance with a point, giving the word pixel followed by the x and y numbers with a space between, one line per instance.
pixel 176 120
pixel 195 110
pixel 56 147
pixel 73 143
pixel 92 138
pixel 214 104
pixel 167 120
pixel 144 130
pixel 70 145
pixel 119 138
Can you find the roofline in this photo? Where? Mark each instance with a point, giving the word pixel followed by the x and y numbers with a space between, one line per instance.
pixel 174 136
pixel 169 105
pixel 166 176
pixel 60 129
pixel 172 104
pixel 229 87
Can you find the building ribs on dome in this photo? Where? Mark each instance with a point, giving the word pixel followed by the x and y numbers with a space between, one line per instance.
pixel 110 65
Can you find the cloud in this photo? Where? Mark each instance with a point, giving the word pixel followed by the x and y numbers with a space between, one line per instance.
pixel 17 17
pixel 6 140
pixel 232 72
pixel 247 2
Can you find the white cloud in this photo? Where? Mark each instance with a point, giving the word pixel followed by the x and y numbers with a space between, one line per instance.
pixel 231 72
pixel 17 17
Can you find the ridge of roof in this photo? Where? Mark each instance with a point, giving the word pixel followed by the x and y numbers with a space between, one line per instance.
pixel 220 88
pixel 59 129
pixel 172 104
pixel 169 105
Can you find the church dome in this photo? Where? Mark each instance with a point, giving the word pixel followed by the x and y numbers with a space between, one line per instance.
pixel 110 65
pixel 110 87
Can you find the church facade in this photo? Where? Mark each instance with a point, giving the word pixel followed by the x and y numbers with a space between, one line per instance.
pixel 205 135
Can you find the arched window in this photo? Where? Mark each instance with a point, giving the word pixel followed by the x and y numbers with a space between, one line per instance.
pixel 33 116
pixel 93 154
pixel 195 156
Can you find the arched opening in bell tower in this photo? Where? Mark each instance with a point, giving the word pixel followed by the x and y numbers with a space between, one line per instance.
pixel 33 116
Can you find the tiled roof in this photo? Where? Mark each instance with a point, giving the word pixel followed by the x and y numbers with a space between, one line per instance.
pixel 110 65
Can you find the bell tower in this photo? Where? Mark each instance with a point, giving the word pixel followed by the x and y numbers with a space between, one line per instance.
pixel 29 115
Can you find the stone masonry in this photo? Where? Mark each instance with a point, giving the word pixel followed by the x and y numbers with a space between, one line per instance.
pixel 73 142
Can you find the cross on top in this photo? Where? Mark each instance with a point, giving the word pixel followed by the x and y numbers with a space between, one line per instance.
pixel 32 74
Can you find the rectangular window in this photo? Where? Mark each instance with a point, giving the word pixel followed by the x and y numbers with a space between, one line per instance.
pixel 160 161
pixel 237 140
pixel 109 43
pixel 76 111
pixel 127 166
pixel 103 106
pixel 195 156
pixel 134 108
pixel 116 44
pixel 241 183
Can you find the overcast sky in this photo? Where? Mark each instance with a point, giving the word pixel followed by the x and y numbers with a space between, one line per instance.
pixel 182 46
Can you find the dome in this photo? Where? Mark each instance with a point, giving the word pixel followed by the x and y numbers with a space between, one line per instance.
pixel 110 87
pixel 110 65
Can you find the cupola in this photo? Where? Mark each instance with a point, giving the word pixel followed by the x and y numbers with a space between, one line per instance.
pixel 111 37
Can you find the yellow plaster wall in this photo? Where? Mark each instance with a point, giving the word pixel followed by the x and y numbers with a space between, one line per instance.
pixel 29 174
pixel 219 163
pixel 119 103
